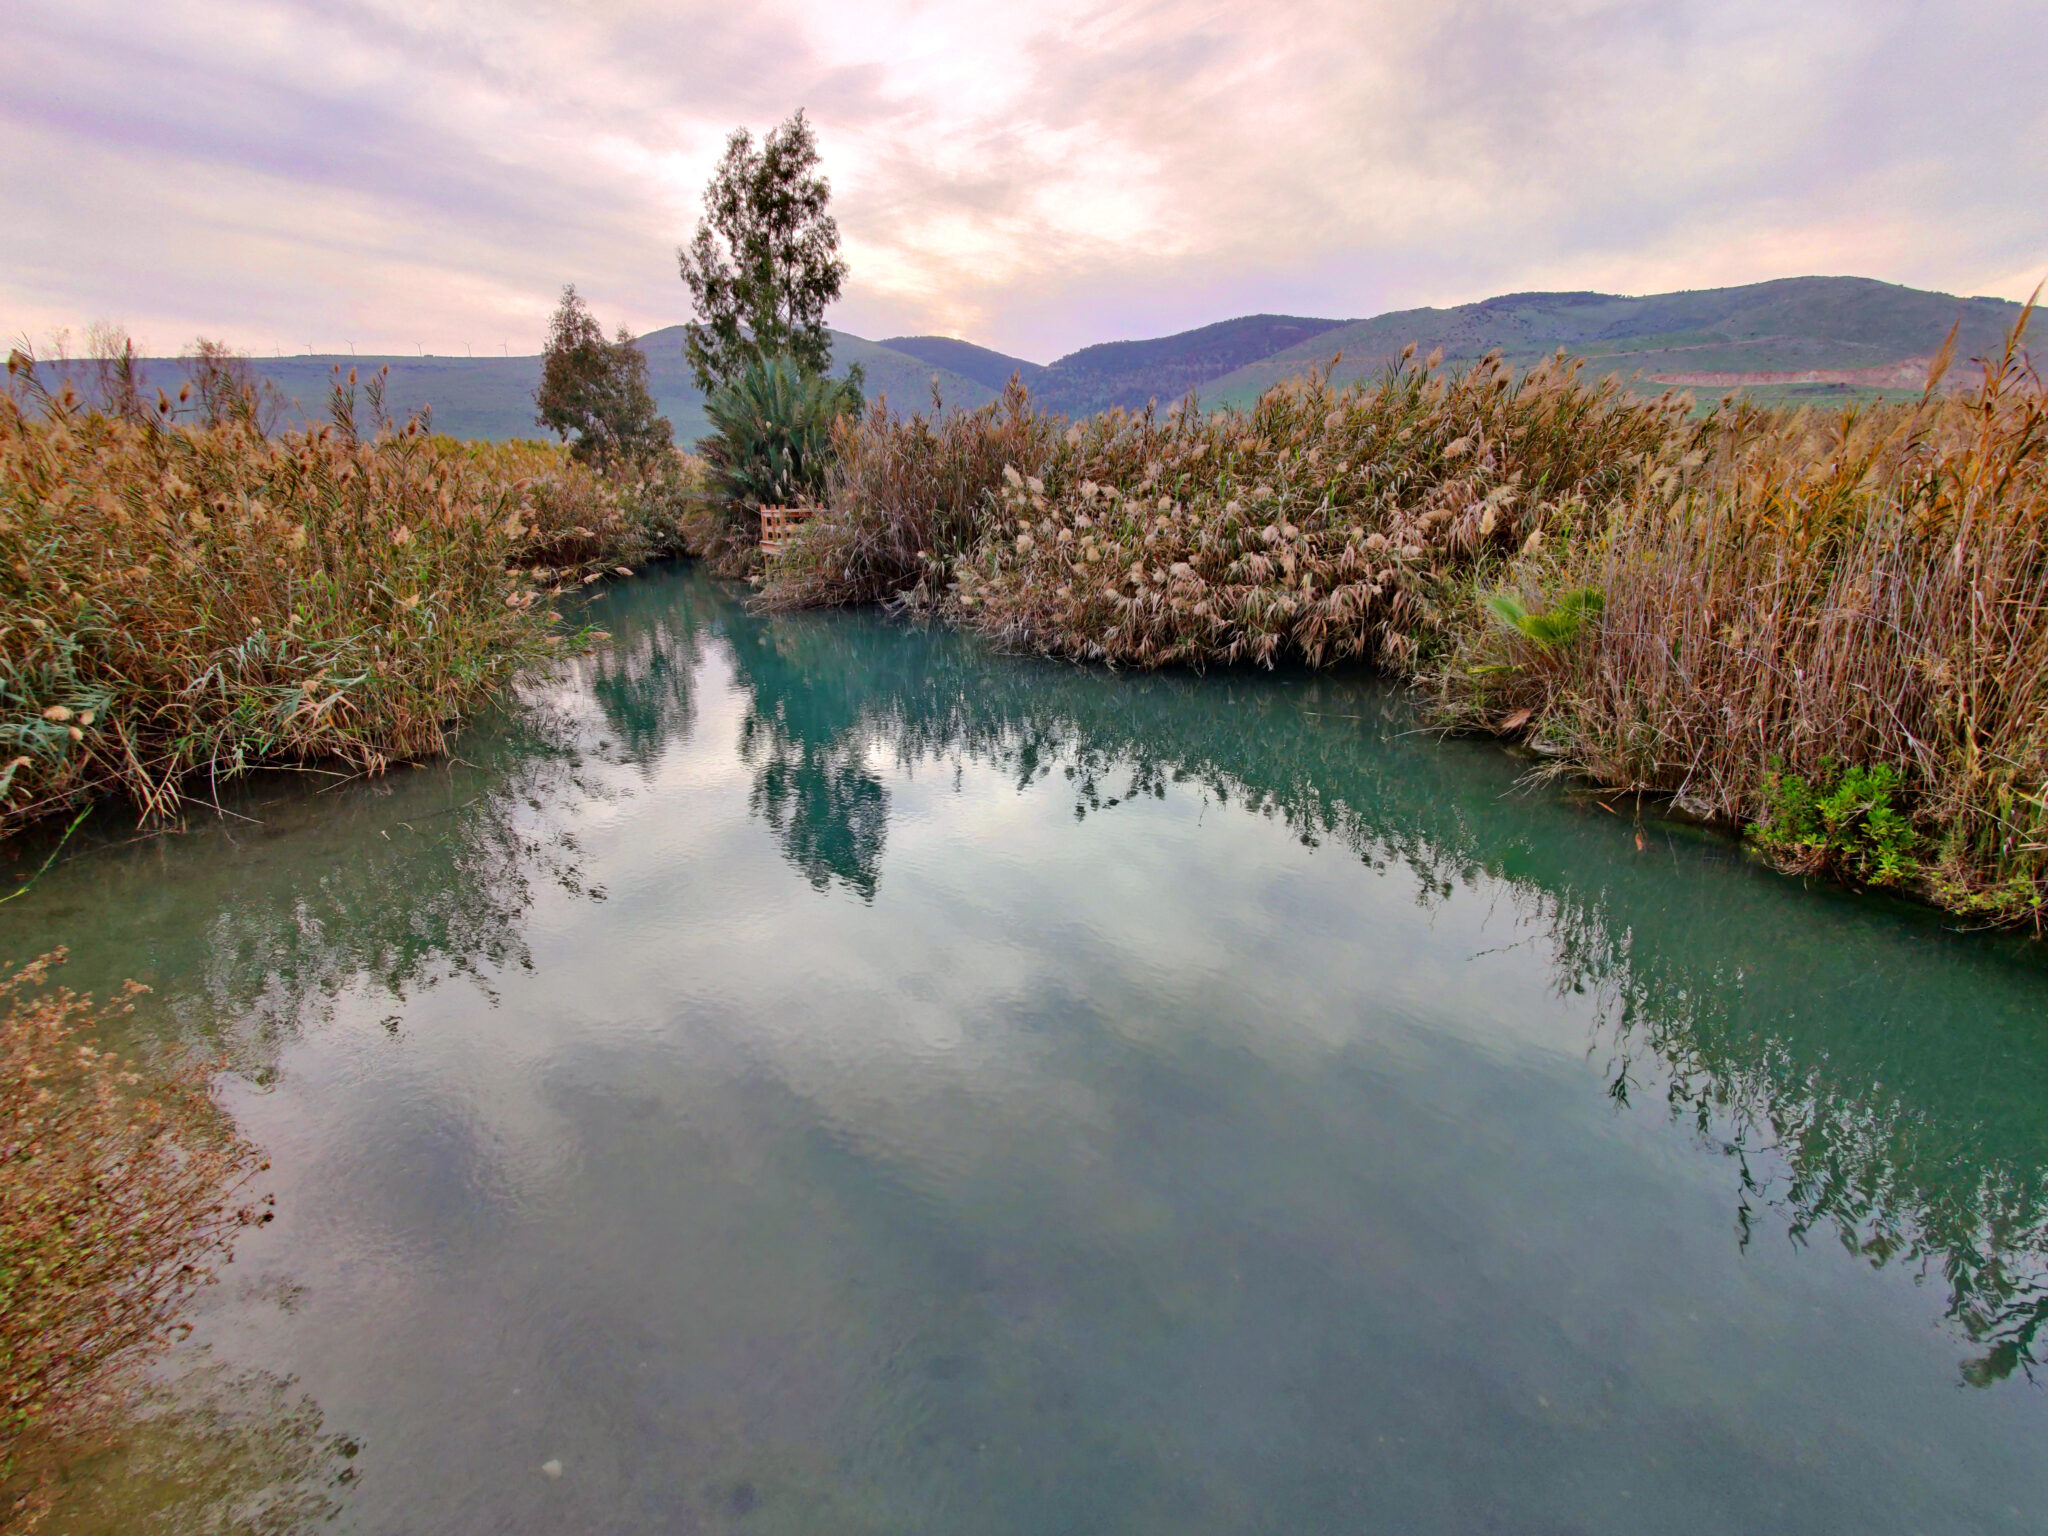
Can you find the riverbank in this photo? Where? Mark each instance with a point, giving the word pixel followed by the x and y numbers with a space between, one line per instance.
pixel 1829 632
pixel 182 600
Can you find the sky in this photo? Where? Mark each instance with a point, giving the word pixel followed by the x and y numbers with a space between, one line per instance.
pixel 424 175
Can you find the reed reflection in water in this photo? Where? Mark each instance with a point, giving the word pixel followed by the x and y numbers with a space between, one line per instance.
pixel 813 1071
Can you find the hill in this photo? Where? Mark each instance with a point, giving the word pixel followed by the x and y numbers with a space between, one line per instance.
pixel 1844 331
pixel 990 369
pixel 1801 340
pixel 1131 373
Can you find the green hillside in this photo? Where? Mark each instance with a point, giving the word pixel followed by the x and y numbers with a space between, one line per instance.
pixel 987 367
pixel 492 397
pixel 1863 338
pixel 1789 326
pixel 1132 373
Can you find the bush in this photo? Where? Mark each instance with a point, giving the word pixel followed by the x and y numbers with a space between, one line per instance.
pixel 1848 826
pixel 771 448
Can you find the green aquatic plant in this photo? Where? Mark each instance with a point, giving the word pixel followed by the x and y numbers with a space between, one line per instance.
pixel 1553 627
pixel 1848 824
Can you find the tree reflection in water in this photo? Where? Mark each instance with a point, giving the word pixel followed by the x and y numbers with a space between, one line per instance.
pixel 1908 1127
pixel 1866 1074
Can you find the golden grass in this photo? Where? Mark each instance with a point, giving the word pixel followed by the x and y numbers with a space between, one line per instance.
pixel 188 600
pixel 1790 595
pixel 1729 610
pixel 1323 525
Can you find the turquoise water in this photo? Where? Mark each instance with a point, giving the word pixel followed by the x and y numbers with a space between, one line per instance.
pixel 817 1075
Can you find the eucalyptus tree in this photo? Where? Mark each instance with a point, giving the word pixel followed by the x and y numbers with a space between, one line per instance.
pixel 765 261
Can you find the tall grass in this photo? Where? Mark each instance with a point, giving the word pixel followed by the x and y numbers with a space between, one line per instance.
pixel 1796 608
pixel 1323 525
pixel 905 498
pixel 180 600
pixel 1833 632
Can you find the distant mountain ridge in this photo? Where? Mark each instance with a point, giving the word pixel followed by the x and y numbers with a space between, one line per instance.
pixel 1818 332
pixel 1777 330
pixel 1125 373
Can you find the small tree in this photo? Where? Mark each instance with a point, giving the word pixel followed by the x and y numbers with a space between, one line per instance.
pixel 765 261
pixel 593 393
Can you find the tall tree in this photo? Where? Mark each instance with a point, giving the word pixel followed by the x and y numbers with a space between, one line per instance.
pixel 593 392
pixel 765 261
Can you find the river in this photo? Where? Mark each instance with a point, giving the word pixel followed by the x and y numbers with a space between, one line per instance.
pixel 816 1074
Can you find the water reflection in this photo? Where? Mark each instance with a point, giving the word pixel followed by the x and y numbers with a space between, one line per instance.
pixel 1904 1121
pixel 206 1452
pixel 1867 1075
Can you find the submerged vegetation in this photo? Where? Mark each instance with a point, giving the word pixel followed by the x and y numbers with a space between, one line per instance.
pixel 1709 608
pixel 186 594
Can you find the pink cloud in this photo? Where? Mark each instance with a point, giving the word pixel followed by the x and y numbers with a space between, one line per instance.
pixel 1035 178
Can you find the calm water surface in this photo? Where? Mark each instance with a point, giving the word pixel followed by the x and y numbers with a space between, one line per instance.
pixel 815 1075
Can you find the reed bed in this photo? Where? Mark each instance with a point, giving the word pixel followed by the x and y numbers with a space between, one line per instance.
pixel 1321 525
pixel 1324 525
pixel 905 498
pixel 1832 633
pixel 181 600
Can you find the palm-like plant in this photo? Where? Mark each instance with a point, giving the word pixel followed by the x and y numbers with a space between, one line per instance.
pixel 773 438
pixel 1555 627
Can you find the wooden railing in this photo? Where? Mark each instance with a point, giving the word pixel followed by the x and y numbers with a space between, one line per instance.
pixel 777 524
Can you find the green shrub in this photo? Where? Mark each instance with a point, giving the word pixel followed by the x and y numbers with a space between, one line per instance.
pixel 593 393
pixel 1554 627
pixel 1847 825
pixel 772 444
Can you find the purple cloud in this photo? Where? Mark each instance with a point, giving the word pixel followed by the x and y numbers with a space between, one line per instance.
pixel 406 175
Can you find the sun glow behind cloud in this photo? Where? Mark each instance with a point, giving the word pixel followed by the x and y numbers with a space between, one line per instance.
pixel 402 175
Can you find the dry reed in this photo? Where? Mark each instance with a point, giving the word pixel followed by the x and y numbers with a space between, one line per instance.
pixel 1793 596
pixel 1728 609
pixel 181 599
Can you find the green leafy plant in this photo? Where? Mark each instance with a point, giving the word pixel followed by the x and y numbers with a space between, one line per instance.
pixel 1848 824
pixel 1555 627
pixel 774 439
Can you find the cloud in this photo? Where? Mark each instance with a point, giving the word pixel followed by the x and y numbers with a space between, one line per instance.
pixel 428 174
